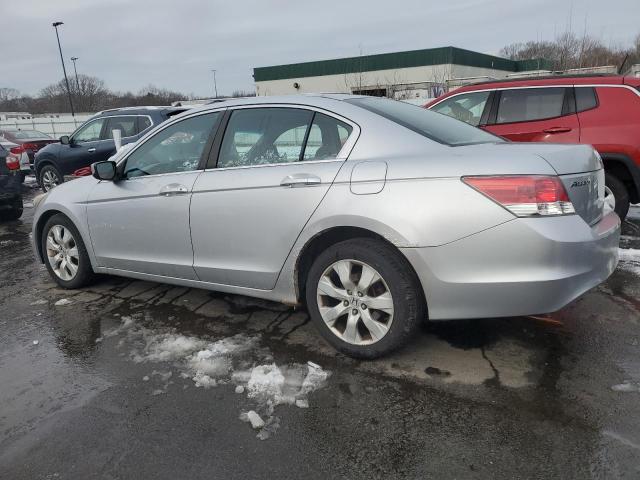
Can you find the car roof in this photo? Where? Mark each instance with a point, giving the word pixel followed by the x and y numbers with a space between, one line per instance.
pixel 145 110
pixel 603 79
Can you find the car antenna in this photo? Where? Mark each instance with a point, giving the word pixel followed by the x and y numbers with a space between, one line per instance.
pixel 626 57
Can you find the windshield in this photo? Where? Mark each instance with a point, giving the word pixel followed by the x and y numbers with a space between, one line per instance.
pixel 434 126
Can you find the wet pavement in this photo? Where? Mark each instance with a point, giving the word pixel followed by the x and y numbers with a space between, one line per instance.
pixel 131 379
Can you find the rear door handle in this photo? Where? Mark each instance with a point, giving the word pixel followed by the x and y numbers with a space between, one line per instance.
pixel 300 180
pixel 91 150
pixel 557 130
pixel 173 189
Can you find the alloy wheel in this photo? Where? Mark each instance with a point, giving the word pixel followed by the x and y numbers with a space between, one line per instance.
pixel 49 180
pixel 355 302
pixel 62 252
pixel 609 198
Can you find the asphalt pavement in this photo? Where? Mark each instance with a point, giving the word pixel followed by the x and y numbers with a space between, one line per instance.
pixel 131 379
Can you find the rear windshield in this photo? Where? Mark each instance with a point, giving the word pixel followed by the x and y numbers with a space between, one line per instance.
pixel 435 126
pixel 26 134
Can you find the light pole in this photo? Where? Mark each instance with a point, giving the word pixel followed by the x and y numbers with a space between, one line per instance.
pixel 215 85
pixel 64 70
pixel 73 59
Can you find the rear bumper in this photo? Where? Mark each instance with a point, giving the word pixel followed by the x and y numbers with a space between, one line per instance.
pixel 522 267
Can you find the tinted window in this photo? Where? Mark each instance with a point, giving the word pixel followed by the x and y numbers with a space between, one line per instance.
pixel 326 137
pixel 126 125
pixel 89 132
pixel 585 98
pixel 177 148
pixel 467 107
pixel 258 136
pixel 25 134
pixel 143 124
pixel 527 104
pixel 432 125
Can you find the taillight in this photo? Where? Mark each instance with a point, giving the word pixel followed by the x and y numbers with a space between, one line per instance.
pixel 30 146
pixel 13 159
pixel 525 195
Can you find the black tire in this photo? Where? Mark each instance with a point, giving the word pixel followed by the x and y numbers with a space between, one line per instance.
pixel 85 274
pixel 14 214
pixel 620 193
pixel 408 301
pixel 53 171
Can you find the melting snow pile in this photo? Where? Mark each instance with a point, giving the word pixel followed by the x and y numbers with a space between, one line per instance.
pixel 630 260
pixel 222 362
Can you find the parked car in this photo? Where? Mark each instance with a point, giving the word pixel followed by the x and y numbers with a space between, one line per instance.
pixel 372 211
pixel 10 185
pixel 28 143
pixel 93 141
pixel 600 110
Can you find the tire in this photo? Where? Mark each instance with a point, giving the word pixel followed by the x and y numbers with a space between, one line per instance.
pixel 397 278
pixel 84 274
pixel 49 177
pixel 620 194
pixel 14 214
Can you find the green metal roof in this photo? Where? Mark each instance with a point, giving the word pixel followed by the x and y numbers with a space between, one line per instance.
pixel 388 61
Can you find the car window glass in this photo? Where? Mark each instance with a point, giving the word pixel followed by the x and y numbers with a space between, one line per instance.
pixel 143 123
pixel 436 127
pixel 126 125
pixel 467 107
pixel 326 138
pixel 585 98
pixel 527 104
pixel 177 148
pixel 89 132
pixel 258 136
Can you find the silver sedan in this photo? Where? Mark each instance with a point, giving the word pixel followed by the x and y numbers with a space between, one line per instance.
pixel 375 213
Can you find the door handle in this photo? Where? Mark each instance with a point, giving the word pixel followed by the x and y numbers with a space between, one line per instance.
pixel 557 130
pixel 173 189
pixel 91 150
pixel 300 180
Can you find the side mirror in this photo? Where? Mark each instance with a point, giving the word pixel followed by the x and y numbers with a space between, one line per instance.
pixel 64 140
pixel 104 170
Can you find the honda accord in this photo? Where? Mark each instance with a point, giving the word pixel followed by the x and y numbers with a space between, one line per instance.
pixel 374 213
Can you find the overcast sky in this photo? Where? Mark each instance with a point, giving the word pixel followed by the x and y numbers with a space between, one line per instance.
pixel 175 44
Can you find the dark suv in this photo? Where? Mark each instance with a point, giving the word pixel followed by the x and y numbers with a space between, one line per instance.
pixel 603 111
pixel 93 141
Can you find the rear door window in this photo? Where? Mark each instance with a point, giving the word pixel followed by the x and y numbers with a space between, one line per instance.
pixel 127 126
pixel 467 107
pixel 529 104
pixel 258 136
pixel 326 138
pixel 144 122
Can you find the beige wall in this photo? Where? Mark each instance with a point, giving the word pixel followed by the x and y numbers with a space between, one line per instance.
pixel 346 83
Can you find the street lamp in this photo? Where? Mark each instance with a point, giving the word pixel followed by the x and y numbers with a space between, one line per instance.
pixel 215 85
pixel 64 70
pixel 73 59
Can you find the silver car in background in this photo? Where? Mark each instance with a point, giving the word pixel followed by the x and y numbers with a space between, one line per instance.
pixel 375 213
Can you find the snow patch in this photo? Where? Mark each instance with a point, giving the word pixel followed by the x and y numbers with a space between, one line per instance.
pixel 630 260
pixel 626 387
pixel 236 360
pixel 62 302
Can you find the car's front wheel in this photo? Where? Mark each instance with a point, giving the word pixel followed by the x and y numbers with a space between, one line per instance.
pixel 49 178
pixel 364 298
pixel 64 252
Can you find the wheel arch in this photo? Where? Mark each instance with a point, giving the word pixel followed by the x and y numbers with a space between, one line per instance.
pixel 330 236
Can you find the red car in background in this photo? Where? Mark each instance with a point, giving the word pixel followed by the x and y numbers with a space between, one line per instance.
pixel 28 143
pixel 601 110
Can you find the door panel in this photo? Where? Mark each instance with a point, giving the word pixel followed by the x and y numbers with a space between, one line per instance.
pixel 565 129
pixel 244 222
pixel 138 225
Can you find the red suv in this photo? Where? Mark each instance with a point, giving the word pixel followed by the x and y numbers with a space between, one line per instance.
pixel 603 111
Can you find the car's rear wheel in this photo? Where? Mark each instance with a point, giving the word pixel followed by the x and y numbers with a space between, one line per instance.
pixel 64 252
pixel 14 213
pixel 49 177
pixel 616 195
pixel 364 298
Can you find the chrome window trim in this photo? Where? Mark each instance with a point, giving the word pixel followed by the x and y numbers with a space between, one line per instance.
pixel 495 89
pixel 342 156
